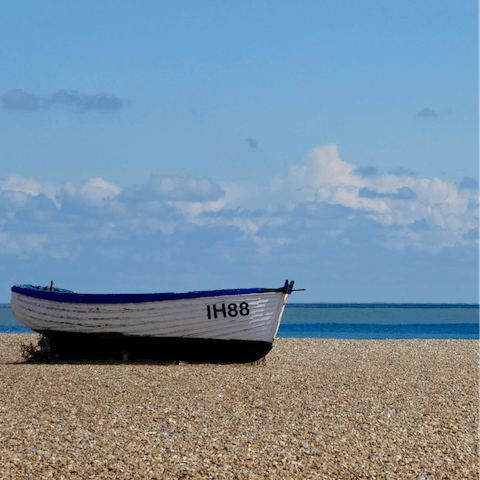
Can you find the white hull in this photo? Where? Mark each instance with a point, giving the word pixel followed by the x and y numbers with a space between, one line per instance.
pixel 185 318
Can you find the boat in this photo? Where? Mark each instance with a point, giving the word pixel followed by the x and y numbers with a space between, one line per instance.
pixel 218 326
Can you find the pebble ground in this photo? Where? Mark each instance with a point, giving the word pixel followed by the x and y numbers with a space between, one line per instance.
pixel 333 409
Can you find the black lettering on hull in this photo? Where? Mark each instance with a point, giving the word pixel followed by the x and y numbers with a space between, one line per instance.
pixel 233 310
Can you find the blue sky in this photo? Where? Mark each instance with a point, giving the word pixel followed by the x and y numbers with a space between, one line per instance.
pixel 172 146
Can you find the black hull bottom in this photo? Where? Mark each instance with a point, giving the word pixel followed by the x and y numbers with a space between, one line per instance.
pixel 115 346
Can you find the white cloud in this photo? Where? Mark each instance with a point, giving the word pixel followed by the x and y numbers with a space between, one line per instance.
pixel 95 192
pixel 321 200
pixel 390 200
pixel 107 230
pixel 13 182
pixel 323 167
pixel 22 244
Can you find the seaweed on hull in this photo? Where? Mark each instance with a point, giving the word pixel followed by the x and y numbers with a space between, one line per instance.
pixel 40 353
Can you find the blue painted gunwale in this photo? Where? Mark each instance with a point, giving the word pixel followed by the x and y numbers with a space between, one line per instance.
pixel 67 296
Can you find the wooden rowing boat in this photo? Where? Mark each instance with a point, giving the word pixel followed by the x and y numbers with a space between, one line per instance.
pixel 206 326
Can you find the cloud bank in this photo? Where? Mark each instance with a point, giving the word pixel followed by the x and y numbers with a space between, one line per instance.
pixel 324 196
pixel 19 100
pixel 321 209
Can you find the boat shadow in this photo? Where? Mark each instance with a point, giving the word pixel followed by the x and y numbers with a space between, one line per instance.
pixel 89 349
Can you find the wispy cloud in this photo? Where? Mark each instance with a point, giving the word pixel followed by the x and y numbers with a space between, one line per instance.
pixel 427 112
pixel 403 193
pixel 402 172
pixel 19 100
pixel 366 171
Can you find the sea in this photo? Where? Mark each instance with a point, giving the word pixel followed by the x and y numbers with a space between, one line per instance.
pixel 355 321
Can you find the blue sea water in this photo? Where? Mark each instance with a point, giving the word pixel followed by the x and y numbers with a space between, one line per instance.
pixel 354 321
pixel 380 321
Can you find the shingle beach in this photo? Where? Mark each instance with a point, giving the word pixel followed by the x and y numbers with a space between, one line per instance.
pixel 318 409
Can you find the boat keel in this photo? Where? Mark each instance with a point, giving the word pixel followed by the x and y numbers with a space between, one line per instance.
pixel 116 346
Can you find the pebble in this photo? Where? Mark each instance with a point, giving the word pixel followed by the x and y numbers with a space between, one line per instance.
pixel 317 409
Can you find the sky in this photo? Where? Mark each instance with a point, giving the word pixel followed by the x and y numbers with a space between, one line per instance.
pixel 177 146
